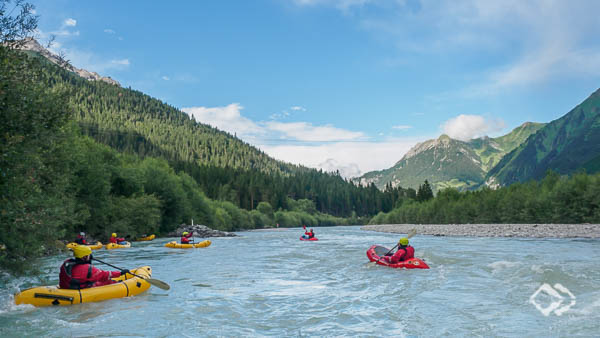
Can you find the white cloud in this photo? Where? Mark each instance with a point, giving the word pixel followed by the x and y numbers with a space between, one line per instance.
pixel 62 33
pixel 346 170
pixel 228 118
pixel 402 127
pixel 323 147
pixel 305 131
pixel 122 62
pixel 70 22
pixel 466 127
pixel 533 42
pixel 166 78
pixel 109 31
pixel 351 158
pixel 298 108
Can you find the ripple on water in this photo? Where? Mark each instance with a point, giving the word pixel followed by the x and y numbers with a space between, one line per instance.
pixel 271 284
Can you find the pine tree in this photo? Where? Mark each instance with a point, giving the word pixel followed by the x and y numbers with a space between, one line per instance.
pixel 425 193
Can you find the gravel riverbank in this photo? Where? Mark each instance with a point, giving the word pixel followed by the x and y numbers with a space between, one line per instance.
pixel 494 230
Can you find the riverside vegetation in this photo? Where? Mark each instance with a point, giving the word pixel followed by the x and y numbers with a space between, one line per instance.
pixel 79 155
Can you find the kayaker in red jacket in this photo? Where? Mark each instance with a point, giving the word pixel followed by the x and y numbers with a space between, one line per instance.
pixel 185 237
pixel 311 234
pixel 81 238
pixel 116 240
pixel 78 272
pixel 403 253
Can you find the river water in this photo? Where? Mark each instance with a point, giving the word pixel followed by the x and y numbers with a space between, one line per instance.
pixel 268 283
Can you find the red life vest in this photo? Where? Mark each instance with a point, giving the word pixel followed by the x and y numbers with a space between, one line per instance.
pixel 66 278
pixel 80 240
pixel 403 254
pixel 185 238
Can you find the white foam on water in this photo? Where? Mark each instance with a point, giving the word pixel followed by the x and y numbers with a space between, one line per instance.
pixel 294 287
pixel 9 306
pixel 501 265
pixel 537 269
pixel 593 308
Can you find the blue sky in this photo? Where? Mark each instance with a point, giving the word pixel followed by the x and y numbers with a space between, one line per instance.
pixel 341 84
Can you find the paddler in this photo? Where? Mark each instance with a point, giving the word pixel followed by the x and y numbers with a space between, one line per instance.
pixel 311 234
pixel 78 272
pixel 185 237
pixel 116 240
pixel 81 238
pixel 306 233
pixel 403 253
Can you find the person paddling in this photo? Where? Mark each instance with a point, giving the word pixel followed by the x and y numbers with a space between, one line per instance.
pixel 311 234
pixel 116 240
pixel 306 233
pixel 403 253
pixel 78 272
pixel 81 238
pixel 185 237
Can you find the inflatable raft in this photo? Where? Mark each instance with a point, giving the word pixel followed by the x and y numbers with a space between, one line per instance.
pixel 305 238
pixel 147 238
pixel 376 251
pixel 111 246
pixel 175 245
pixel 96 246
pixel 128 286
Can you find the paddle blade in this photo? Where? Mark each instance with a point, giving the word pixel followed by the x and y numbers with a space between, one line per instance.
pixel 158 283
pixel 411 233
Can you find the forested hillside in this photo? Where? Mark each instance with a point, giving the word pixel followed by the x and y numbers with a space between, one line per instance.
pixel 55 181
pixel 225 167
pixel 566 145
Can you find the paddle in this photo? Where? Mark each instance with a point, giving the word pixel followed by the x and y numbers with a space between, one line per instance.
pixel 410 234
pixel 158 283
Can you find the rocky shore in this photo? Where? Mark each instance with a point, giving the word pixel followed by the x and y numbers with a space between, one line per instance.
pixel 200 231
pixel 494 230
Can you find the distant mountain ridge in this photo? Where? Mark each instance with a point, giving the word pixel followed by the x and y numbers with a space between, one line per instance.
pixel 565 145
pixel 447 162
pixel 30 44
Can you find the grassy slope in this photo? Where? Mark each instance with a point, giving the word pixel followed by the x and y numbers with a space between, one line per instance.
pixel 564 145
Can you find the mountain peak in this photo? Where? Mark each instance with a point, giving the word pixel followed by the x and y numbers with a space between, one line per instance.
pixel 31 44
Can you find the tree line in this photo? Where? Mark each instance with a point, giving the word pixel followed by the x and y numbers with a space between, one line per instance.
pixel 554 199
pixel 224 166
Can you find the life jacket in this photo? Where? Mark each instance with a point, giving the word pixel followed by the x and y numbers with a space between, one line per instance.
pixel 80 240
pixel 66 278
pixel 410 253
pixel 403 254
pixel 113 240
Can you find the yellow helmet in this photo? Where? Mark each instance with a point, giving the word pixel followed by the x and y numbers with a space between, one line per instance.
pixel 403 241
pixel 185 233
pixel 80 251
pixel 113 234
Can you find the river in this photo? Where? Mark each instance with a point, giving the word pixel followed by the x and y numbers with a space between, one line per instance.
pixel 268 283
